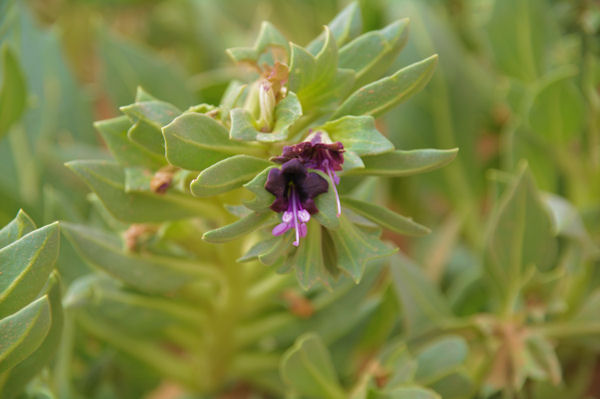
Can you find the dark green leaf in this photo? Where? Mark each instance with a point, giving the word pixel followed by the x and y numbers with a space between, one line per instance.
pixel 405 163
pixel 23 332
pixel 26 265
pixel 13 92
pixel 377 97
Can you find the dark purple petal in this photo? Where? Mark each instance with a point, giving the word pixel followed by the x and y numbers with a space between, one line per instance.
pixel 294 170
pixel 280 204
pixel 276 183
pixel 310 206
pixel 312 186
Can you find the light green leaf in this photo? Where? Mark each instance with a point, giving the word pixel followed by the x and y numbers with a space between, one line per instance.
pixel 196 141
pixel 227 175
pixel 148 118
pixel 263 199
pixel 308 259
pixel 23 332
pixel 114 132
pixel 356 248
pixel 456 385
pixel 27 369
pixel 344 27
pixel 519 233
pixel 151 274
pixel 307 368
pixel 439 358
pixel 147 136
pixel 371 55
pixel 17 228
pixel 26 265
pixel 385 217
pixel 107 180
pixel 268 37
pixel 405 163
pixel 327 205
pixel 423 307
pixel 239 228
pixel 405 393
pixel 358 134
pixel 541 360
pixel 258 249
pixel 13 91
pixel 377 97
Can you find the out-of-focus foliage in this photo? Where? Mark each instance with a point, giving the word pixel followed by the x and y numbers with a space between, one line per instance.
pixel 501 300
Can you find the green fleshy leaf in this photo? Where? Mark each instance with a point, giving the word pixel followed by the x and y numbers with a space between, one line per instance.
pixel 404 393
pixel 356 248
pixel 26 265
pixel 423 307
pixel 258 249
pixel 541 360
pixel 147 136
pixel 385 217
pixel 263 199
pixel 358 134
pixel 196 141
pixel 287 111
pixel 107 180
pixel 151 274
pixel 378 97
pixel 307 368
pixel 268 37
pixel 315 79
pixel 232 98
pixel 519 234
pixel 13 91
pixel 114 132
pixel 344 27
pixel 439 358
pixel 371 55
pixel 23 332
pixel 142 95
pixel 405 163
pixel 327 206
pixel 239 228
pixel 352 161
pixel 278 250
pixel 227 175
pixel 17 228
pixel 27 369
pixel 308 259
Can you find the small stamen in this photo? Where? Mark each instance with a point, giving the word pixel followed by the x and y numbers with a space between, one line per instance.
pixel 294 208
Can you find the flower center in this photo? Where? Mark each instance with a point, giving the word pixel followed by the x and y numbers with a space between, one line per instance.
pixel 294 217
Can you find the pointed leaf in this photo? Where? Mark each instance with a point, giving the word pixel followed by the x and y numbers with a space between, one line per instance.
pixel 26 265
pixel 263 199
pixel 239 228
pixel 107 180
pixel 268 37
pixel 385 217
pixel 439 358
pixel 23 332
pixel 17 228
pixel 378 97
pixel 307 368
pixel 405 163
pixel 344 27
pixel 227 175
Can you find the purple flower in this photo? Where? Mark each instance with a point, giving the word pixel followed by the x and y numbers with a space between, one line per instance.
pixel 315 154
pixel 294 188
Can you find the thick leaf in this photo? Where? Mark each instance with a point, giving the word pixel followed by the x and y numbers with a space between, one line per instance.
pixel 404 393
pixel 307 368
pixel 541 360
pixel 356 248
pixel 287 111
pixel 148 118
pixel 107 180
pixel 358 134
pixel 520 233
pixel 439 358
pixel 114 132
pixel 196 141
pixel 377 97
pixel 148 273
pixel 344 27
pixel 263 199
pixel 27 369
pixel 385 217
pixel 239 228
pixel 456 385
pixel 259 248
pixel 371 55
pixel 17 228
pixel 147 136
pixel 227 175
pixel 268 37
pixel 405 163
pixel 23 332
pixel 26 265
pixel 327 206
pixel 13 91
pixel 308 259
pixel 423 306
